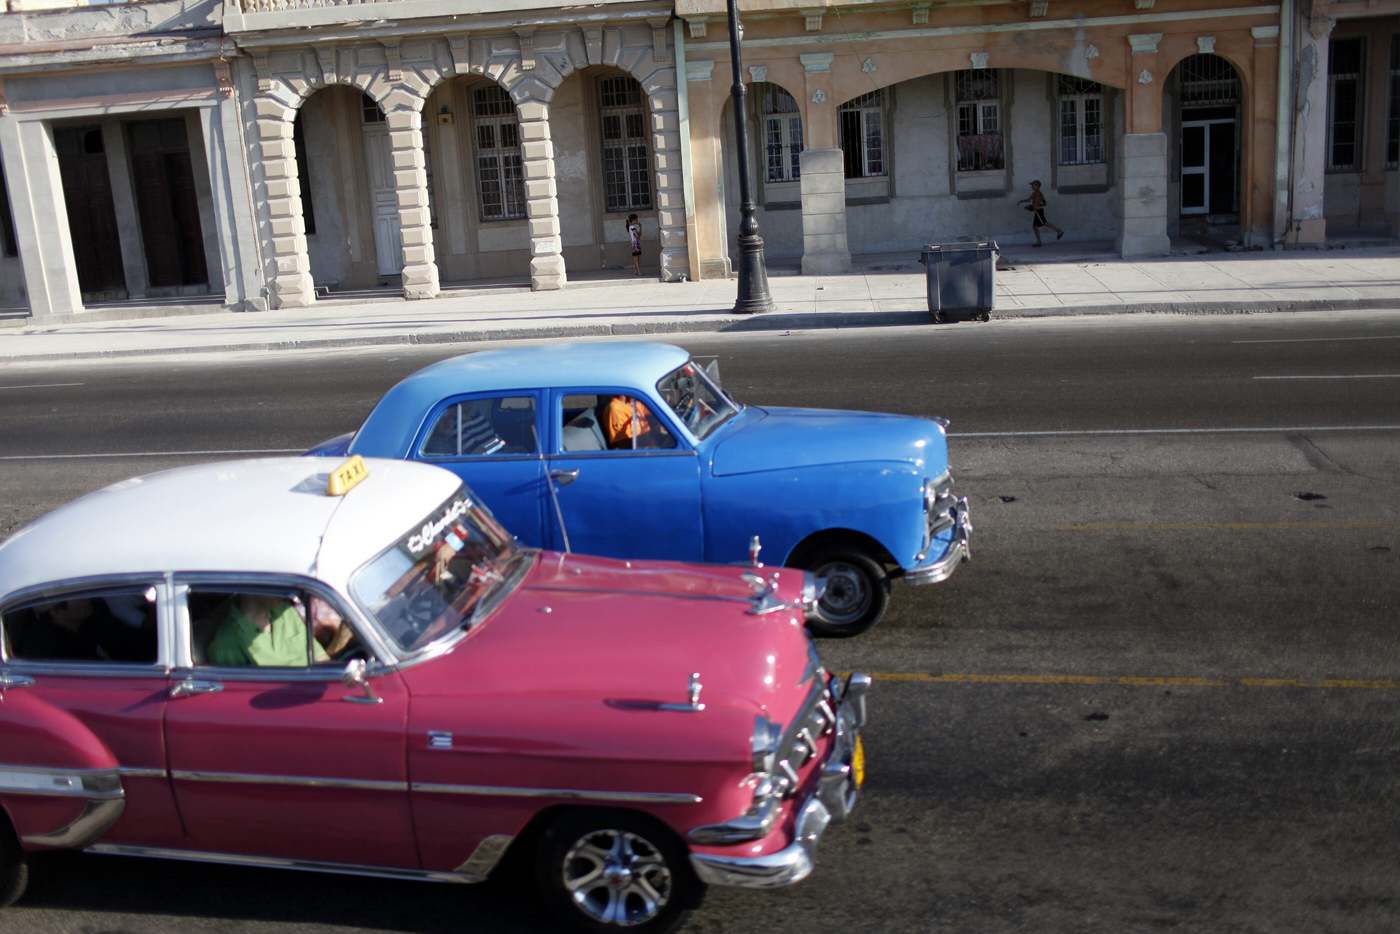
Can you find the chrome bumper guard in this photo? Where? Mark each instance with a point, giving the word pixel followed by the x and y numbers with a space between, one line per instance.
pixel 830 803
pixel 958 552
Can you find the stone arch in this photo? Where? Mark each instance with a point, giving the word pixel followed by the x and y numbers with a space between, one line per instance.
pixel 530 65
pixel 284 81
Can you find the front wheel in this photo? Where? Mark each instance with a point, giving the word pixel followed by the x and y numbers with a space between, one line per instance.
pixel 857 590
pixel 14 865
pixel 610 871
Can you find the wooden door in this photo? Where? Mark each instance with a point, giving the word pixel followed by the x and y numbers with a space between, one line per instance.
pixel 384 201
pixel 92 218
pixel 168 204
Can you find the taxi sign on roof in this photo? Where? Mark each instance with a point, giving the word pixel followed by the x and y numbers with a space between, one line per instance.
pixel 346 476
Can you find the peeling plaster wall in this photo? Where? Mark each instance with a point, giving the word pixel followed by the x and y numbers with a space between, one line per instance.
pixel 114 19
pixel 923 208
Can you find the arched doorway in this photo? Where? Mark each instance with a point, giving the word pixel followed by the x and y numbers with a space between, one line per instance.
pixel 1208 140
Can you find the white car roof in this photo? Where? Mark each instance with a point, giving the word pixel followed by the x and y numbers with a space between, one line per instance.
pixel 270 515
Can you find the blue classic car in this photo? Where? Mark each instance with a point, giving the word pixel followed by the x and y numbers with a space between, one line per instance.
pixel 632 450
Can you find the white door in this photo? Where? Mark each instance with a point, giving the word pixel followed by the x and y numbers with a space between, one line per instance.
pixel 388 242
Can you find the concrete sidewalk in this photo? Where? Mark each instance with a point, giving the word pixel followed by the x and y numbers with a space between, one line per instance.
pixel 1030 284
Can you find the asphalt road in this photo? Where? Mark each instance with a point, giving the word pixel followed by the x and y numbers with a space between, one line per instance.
pixel 1163 696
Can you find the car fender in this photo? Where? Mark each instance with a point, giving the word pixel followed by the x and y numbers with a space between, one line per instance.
pixel 59 783
pixel 880 499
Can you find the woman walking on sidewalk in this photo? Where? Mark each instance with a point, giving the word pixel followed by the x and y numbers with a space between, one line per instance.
pixel 1037 209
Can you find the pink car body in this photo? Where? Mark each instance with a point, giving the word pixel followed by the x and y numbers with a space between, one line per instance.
pixel 691 694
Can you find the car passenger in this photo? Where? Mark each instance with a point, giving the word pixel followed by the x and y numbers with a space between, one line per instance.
pixel 78 629
pixel 262 630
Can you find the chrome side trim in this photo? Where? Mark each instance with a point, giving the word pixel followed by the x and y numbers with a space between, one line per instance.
pixel 97 818
pixel 9 681
pixel 94 784
pixel 568 794
pixel 349 869
pixel 486 855
pixel 141 773
pixel 307 782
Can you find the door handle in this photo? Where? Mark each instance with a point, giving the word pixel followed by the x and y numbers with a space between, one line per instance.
pixel 190 687
pixel 565 477
pixel 8 681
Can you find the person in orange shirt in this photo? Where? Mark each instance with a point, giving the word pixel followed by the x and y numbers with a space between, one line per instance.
pixel 628 424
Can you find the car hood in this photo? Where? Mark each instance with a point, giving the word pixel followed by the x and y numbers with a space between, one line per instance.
pixel 784 438
pixel 631 633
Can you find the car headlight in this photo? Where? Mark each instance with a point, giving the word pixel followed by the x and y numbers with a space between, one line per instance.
pixel 766 736
pixel 813 589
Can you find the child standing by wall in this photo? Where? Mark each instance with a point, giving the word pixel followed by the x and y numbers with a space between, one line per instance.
pixel 634 230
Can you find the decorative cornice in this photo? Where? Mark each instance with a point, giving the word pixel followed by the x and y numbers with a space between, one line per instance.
pixel 1145 43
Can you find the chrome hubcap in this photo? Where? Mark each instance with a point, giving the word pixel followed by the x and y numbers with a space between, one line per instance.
pixel 617 877
pixel 847 594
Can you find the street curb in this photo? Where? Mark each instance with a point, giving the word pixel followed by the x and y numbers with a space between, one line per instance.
pixel 778 321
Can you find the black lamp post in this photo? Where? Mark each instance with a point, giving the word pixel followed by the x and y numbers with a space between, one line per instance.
pixel 753 274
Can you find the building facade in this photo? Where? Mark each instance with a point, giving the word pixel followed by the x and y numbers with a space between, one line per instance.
pixel 262 154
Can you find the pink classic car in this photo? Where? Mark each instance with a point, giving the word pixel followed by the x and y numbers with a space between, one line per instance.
pixel 221 663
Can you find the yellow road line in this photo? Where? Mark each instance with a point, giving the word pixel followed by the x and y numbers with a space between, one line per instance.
pixel 1135 681
pixel 1187 526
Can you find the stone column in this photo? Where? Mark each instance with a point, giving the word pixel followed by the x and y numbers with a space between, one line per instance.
pixel 1258 201
pixel 664 103
pixel 825 250
pixel 124 207
pixel 542 197
pixel 404 118
pixel 1309 224
pixel 707 172
pixel 1143 165
pixel 233 209
pixel 290 285
pixel 41 218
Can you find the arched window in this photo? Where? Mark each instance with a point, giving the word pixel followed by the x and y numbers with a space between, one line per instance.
pixel 626 158
pixel 500 174
pixel 782 133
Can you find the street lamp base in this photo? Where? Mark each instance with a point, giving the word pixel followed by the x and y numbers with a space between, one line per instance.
pixel 754 298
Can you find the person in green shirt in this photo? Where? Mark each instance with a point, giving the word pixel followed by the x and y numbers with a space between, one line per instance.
pixel 262 630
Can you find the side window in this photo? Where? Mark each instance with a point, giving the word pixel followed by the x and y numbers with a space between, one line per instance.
pixel 608 422
pixel 481 427
pixel 107 625
pixel 268 629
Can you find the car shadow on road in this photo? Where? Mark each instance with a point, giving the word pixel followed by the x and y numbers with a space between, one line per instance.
pixel 156 896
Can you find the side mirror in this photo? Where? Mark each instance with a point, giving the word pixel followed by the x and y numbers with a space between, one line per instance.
pixel 356 675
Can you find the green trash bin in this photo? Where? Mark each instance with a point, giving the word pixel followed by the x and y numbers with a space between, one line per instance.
pixel 961 278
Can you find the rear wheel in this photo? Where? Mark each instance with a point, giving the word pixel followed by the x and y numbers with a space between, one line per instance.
pixel 611 871
pixel 857 590
pixel 14 865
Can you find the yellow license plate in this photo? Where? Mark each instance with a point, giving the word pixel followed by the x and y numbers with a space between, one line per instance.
pixel 858 763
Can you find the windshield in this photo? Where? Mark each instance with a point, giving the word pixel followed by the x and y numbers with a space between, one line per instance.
pixel 695 400
pixel 442 576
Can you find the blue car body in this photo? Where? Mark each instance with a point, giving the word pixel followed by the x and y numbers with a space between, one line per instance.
pixel 794 477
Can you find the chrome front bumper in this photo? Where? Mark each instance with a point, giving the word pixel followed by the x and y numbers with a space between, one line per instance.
pixel 959 551
pixel 830 803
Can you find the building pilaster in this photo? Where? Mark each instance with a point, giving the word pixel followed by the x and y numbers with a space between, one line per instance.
pixel 1309 223
pixel 41 218
pixel 542 197
pixel 420 272
pixel 1143 167
pixel 825 248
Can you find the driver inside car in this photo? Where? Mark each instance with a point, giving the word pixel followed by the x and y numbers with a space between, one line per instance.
pixel 269 631
pixel 628 425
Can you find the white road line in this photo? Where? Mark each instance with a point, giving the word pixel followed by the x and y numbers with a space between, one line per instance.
pixel 1344 376
pixel 51 457
pixel 1170 431
pixel 42 386
pixel 1319 340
